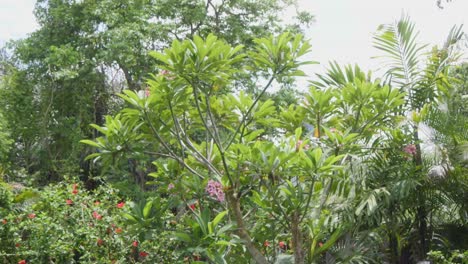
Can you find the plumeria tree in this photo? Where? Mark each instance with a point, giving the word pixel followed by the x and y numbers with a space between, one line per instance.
pixel 281 175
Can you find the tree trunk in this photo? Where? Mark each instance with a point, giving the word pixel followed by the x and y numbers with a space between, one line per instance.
pixel 234 204
pixel 421 213
pixel 297 238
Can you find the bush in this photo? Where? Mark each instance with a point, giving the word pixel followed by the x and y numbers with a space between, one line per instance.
pixel 66 224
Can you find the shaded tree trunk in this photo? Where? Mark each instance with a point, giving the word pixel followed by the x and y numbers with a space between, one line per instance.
pixel 297 238
pixel 421 214
pixel 234 204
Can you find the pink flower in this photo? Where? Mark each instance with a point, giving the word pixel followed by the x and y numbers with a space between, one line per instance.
pixel 170 186
pixel 320 244
pixel 410 149
pixel 96 215
pixel 69 202
pixel 167 74
pixel 75 191
pixel 135 243
pixel 147 92
pixel 298 145
pixel 215 189
pixel 4 221
pixel 266 243
pixel 31 215
pixel 97 203
pixel 23 261
pixel 143 254
pixel 120 205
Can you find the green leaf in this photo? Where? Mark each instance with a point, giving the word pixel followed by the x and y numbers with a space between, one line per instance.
pixel 90 142
pixel 147 209
pixel 130 217
pixel 218 218
pixel 182 237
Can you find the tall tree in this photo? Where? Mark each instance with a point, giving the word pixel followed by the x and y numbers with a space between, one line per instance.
pixel 86 51
pixel 425 83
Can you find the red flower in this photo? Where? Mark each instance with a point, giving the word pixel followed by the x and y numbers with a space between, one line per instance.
pixel 31 215
pixel 23 261
pixel 266 243
pixel 118 230
pixel 320 244
pixel 120 205
pixel 69 202
pixel 193 206
pixel 282 244
pixel 100 242
pixel 75 188
pixel 4 221
pixel 135 243
pixel 97 216
pixel 143 254
pixel 17 245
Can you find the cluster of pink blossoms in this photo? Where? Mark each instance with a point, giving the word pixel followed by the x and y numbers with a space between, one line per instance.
pixel 215 189
pixel 410 149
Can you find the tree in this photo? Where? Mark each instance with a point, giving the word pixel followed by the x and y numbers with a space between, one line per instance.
pixel 201 132
pixel 86 51
pixel 424 83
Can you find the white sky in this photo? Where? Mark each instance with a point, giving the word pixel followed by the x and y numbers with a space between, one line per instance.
pixel 344 28
pixel 342 31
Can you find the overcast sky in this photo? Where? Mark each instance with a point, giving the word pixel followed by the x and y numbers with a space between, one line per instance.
pixel 342 31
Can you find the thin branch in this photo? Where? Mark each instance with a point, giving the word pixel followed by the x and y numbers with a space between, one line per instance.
pixel 250 110
pixel 164 143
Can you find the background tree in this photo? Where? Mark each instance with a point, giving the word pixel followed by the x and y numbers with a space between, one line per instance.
pixel 86 51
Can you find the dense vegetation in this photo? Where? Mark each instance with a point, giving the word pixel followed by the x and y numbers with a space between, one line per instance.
pixel 175 132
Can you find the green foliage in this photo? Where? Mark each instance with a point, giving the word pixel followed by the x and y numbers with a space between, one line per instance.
pixel 219 168
pixel 5 142
pixel 296 175
pixel 68 224
pixel 427 84
pixel 64 75
pixel 455 257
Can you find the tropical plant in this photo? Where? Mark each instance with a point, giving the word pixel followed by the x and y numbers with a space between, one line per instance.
pixel 425 83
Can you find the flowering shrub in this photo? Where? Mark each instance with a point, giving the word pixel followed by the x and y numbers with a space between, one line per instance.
pixel 67 224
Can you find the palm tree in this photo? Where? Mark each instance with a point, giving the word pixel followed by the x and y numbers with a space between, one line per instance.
pixel 425 83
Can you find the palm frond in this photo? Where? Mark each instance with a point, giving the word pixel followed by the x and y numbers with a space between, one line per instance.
pixel 338 76
pixel 398 42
